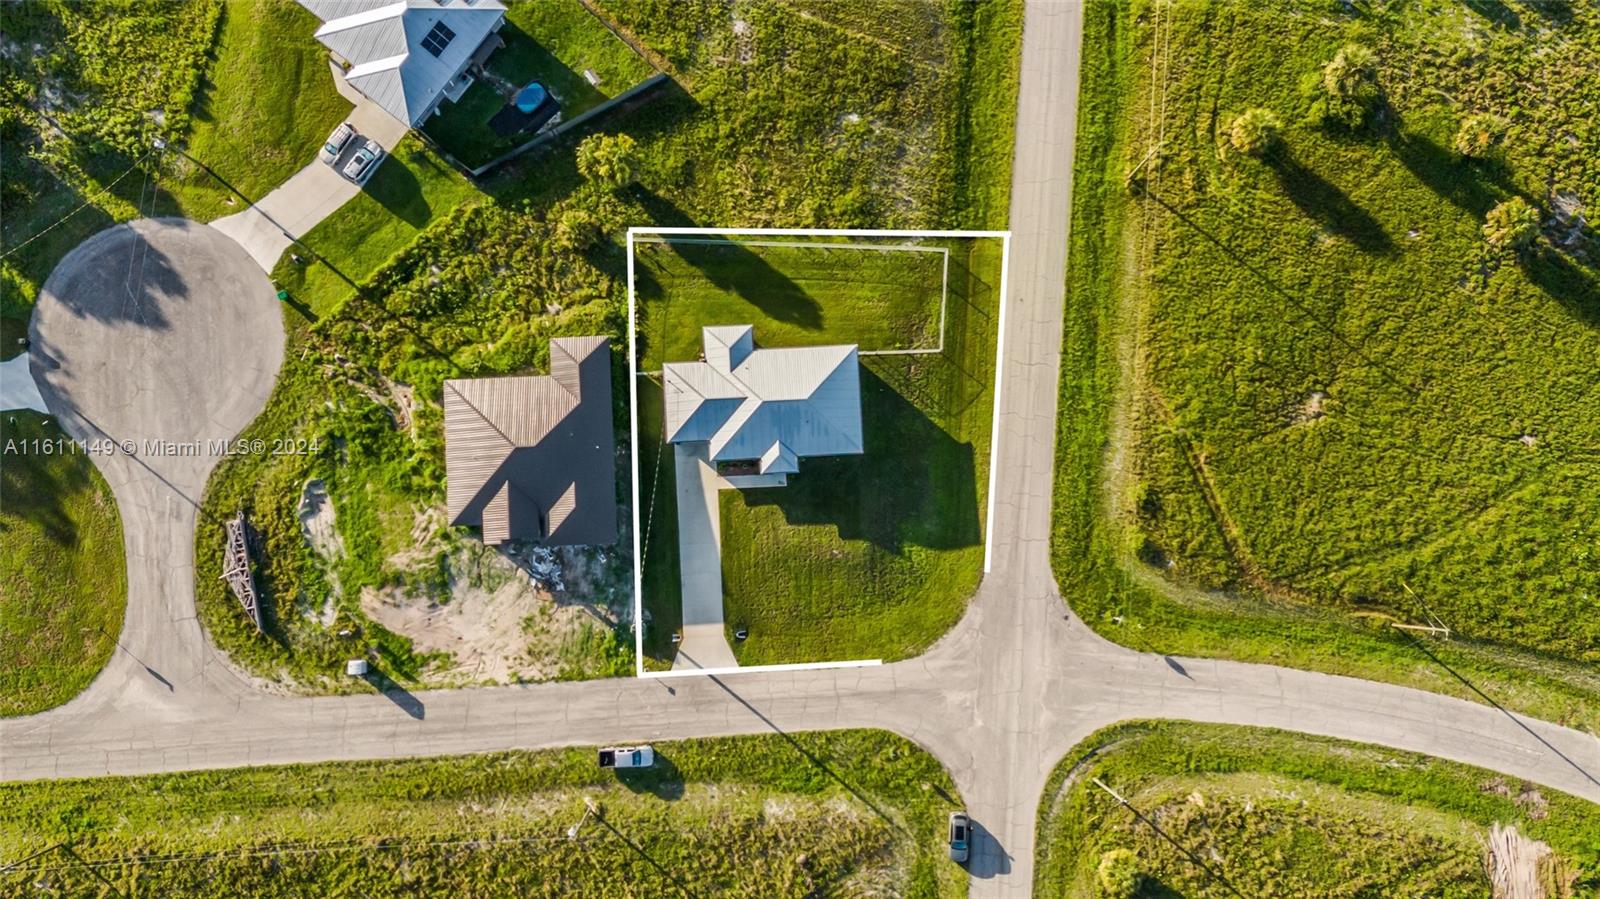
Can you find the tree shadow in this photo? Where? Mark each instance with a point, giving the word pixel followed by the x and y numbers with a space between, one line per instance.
pixel 735 268
pixel 1497 13
pixel 914 484
pixel 1327 205
pixel 120 276
pixel 1574 288
pixel 662 780
pixel 1473 186
pixel 397 189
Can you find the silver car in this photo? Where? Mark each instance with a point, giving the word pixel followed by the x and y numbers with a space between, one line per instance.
pixel 960 837
pixel 336 143
pixel 364 161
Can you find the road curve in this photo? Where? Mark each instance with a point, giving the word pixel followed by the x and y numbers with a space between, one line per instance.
pixel 999 700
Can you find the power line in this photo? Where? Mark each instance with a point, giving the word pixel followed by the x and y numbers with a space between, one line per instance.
pixel 86 204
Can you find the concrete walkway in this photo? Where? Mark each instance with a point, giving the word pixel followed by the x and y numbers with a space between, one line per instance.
pixel 705 642
pixel 17 388
pixel 309 196
pixel 998 701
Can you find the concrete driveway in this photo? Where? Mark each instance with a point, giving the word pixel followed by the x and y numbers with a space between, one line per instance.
pixel 267 228
pixel 705 641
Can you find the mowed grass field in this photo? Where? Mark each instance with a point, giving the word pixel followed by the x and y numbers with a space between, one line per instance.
pixel 1274 814
pixel 838 814
pixel 869 556
pixel 64 585
pixel 880 295
pixel 1338 408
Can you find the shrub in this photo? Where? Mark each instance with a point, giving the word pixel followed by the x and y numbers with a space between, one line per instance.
pixel 1511 225
pixel 1119 874
pixel 1255 131
pixel 1348 90
pixel 609 159
pixel 1479 134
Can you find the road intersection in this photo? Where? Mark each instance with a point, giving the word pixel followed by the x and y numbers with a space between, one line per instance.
pixel 999 700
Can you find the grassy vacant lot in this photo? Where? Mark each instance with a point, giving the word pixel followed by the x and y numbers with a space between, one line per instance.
pixel 63 585
pixel 803 295
pixel 552 43
pixel 461 278
pixel 1339 406
pixel 266 105
pixel 1276 815
pixel 841 814
pixel 859 556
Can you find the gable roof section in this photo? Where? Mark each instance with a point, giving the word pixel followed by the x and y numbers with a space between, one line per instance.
pixel 770 405
pixel 384 42
pixel 533 457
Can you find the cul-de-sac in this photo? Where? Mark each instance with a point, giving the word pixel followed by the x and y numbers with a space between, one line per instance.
pixel 1108 449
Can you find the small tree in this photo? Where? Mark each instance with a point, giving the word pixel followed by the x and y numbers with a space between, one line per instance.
pixel 1348 90
pixel 1255 131
pixel 577 229
pixel 608 159
pixel 1511 225
pixel 1119 874
pixel 1479 134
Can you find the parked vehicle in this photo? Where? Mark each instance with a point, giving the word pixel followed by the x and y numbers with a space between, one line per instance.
pixel 337 141
pixel 364 161
pixel 960 837
pixel 627 757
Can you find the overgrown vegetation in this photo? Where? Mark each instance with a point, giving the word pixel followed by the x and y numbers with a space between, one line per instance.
pixel 1274 814
pixel 63 585
pixel 1340 408
pixel 85 86
pixel 838 814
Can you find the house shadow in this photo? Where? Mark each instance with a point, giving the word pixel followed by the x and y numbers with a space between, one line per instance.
pixel 1323 202
pixel 914 485
pixel 396 188
pixel 662 780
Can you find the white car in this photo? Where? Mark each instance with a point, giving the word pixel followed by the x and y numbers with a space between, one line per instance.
pixel 364 161
pixel 627 757
pixel 336 143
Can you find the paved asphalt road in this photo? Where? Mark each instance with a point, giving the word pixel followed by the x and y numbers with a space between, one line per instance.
pixel 999 700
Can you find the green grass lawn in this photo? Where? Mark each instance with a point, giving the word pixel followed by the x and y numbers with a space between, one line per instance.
pixel 411 188
pixel 879 299
pixel 1332 376
pixel 859 556
pixel 549 42
pixel 63 585
pixel 267 104
pixel 834 814
pixel 1276 814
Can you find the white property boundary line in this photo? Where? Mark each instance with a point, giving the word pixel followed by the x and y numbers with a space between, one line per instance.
pixel 944 275
pixel 633 422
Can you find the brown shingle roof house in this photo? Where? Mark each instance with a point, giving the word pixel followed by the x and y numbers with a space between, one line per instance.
pixel 534 458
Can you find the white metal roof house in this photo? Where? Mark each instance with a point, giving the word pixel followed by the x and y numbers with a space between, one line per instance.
pixel 770 407
pixel 409 55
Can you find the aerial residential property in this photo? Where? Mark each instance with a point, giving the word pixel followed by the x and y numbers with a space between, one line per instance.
pixel 761 411
pixel 533 457
pixel 1084 449
pixel 409 56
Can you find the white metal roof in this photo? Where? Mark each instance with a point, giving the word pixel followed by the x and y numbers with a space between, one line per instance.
pixel 384 44
pixel 774 406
